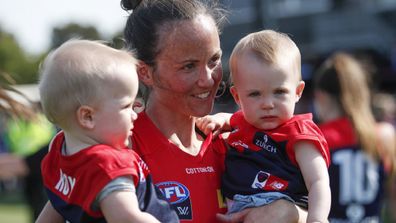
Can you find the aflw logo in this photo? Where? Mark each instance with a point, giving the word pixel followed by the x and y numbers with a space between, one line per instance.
pixel 65 184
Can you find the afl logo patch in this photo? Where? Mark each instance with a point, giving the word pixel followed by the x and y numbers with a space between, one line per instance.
pixel 178 196
pixel 174 192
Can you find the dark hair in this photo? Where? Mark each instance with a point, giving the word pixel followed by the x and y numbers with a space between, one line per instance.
pixel 142 28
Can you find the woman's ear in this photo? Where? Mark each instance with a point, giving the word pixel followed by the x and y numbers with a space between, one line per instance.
pixel 145 73
pixel 85 117
pixel 235 95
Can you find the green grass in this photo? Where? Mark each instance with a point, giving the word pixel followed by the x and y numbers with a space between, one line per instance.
pixel 13 208
pixel 14 213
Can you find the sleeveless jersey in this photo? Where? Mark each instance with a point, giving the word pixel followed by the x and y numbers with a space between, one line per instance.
pixel 73 182
pixel 262 161
pixel 190 183
pixel 356 180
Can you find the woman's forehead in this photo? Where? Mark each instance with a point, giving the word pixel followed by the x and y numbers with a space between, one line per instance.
pixel 190 37
pixel 187 30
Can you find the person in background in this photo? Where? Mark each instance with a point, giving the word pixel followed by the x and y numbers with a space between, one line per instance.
pixel 88 90
pixel 384 107
pixel 362 150
pixel 178 48
pixel 29 138
pixel 281 155
pixel 24 137
pixel 11 165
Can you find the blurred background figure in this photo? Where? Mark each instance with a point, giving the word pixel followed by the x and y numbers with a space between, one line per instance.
pixel 384 107
pixel 24 138
pixel 362 149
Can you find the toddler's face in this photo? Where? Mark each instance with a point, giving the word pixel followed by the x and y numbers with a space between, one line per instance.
pixel 114 116
pixel 266 95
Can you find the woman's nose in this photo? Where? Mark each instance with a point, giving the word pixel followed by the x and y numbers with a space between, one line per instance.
pixel 206 77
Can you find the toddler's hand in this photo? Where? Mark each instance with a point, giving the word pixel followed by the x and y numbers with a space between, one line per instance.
pixel 217 123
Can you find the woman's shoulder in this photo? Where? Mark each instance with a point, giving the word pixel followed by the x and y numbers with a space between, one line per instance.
pixel 386 130
pixel 387 138
pixel 387 135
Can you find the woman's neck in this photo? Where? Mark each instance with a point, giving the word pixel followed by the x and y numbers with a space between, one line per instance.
pixel 178 128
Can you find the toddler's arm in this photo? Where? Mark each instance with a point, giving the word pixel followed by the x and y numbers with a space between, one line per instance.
pixel 316 177
pixel 49 215
pixel 122 206
pixel 216 123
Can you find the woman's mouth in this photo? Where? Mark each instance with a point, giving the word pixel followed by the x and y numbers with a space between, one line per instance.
pixel 202 95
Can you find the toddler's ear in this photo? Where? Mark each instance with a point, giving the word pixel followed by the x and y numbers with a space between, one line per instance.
pixel 299 90
pixel 85 116
pixel 235 95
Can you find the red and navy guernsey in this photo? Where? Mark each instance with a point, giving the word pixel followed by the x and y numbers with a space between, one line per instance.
pixel 357 181
pixel 264 161
pixel 190 183
pixel 73 182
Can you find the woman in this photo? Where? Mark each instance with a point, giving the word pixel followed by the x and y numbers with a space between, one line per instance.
pixel 362 151
pixel 177 43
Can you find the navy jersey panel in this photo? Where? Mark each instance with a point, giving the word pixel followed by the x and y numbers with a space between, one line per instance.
pixel 248 173
pixel 73 182
pixel 356 180
pixel 264 161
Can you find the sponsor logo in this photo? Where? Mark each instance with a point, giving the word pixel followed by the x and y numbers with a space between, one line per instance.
pixel 266 181
pixel 65 183
pixel 183 210
pixel 260 179
pixel 239 145
pixel 263 141
pixel 196 170
pixel 178 196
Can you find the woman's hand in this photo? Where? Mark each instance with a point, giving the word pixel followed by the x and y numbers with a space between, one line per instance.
pixel 278 211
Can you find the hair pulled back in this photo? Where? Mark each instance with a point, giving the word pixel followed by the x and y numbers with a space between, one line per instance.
pixel 142 28
pixel 343 77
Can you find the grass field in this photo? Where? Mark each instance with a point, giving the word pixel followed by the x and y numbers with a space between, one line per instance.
pixel 14 213
pixel 12 206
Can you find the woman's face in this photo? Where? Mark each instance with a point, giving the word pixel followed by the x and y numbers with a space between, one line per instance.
pixel 188 67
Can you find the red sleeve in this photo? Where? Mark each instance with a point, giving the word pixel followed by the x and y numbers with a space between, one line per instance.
pixel 307 130
pixel 237 119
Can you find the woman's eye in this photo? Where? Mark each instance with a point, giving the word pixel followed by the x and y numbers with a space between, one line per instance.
pixel 188 66
pixel 214 61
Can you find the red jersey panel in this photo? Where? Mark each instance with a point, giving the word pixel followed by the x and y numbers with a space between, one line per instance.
pixel 73 182
pixel 264 160
pixel 357 181
pixel 190 183
pixel 299 127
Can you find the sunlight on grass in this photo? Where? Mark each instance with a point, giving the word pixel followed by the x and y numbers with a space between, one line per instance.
pixel 14 213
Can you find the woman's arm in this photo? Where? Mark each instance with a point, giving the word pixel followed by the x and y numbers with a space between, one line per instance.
pixel 278 211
